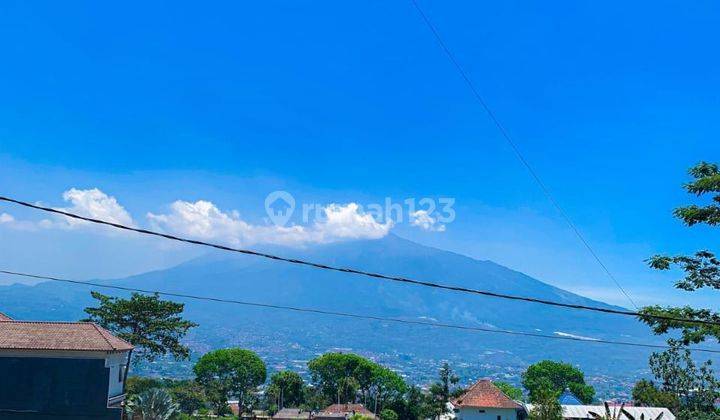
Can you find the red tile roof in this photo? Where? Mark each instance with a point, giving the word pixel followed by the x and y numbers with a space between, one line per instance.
pixel 348 408
pixel 483 394
pixel 4 317
pixel 71 336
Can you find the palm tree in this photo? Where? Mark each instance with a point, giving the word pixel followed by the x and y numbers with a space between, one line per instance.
pixel 642 416
pixel 609 414
pixel 153 404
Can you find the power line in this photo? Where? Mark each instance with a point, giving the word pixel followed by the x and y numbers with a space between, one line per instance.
pixel 350 315
pixel 360 272
pixel 506 135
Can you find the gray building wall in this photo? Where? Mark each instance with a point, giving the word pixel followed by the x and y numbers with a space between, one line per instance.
pixel 42 388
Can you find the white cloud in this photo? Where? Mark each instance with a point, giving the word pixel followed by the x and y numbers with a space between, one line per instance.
pixel 9 221
pixel 424 221
pixel 91 203
pixel 6 218
pixel 347 222
pixel 579 337
pixel 204 220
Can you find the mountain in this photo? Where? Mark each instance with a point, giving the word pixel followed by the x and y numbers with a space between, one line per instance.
pixel 289 338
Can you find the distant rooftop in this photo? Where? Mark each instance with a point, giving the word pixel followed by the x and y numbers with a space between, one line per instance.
pixel 484 394
pixel 343 410
pixel 69 336
pixel 568 398
pixel 584 411
pixel 292 413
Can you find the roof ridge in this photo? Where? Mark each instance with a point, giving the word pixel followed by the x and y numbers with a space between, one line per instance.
pixel 97 328
pixel 19 321
pixel 107 335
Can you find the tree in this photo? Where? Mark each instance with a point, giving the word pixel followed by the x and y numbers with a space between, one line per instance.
pixel 153 404
pixel 645 393
pixel 286 387
pixel 441 391
pixel 556 376
pixel 387 386
pixel 414 406
pixel 138 384
pixel 513 392
pixel 230 373
pixel 154 326
pixel 388 414
pixel 189 395
pixel 314 400
pixel 694 386
pixel 546 405
pixel 330 373
pixel 674 369
pixel 702 270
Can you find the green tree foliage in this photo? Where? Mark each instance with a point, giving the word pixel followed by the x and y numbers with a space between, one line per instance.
pixel 286 389
pixel 337 374
pixel 138 384
pixel 698 415
pixel 675 371
pixel 152 404
pixel 343 377
pixel 388 414
pixel 645 393
pixel 228 373
pixel 702 270
pixel 189 395
pixel 416 405
pixel 441 391
pixel 314 400
pixel 358 416
pixel 706 181
pixel 153 325
pixel 388 387
pixel 508 389
pixel 679 375
pixel 556 376
pixel 546 405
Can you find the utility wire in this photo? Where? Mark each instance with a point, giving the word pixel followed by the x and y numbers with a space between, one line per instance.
pixel 351 315
pixel 360 272
pixel 506 135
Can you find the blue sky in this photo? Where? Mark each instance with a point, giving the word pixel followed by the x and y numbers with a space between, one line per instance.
pixel 342 102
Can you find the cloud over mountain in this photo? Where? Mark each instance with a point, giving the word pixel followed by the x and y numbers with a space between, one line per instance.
pixel 203 219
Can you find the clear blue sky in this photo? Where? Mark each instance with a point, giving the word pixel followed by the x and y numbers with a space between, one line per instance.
pixel 337 101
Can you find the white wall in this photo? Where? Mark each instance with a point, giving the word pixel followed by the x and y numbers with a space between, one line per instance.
pixel 115 362
pixel 489 414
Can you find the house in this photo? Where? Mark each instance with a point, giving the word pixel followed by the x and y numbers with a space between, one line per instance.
pixel 578 412
pixel 61 369
pixel 484 401
pixel 292 414
pixel 568 398
pixel 343 411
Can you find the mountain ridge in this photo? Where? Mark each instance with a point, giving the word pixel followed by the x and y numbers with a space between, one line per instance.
pixel 282 336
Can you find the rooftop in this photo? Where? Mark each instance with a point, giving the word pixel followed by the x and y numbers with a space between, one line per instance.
pixel 583 411
pixel 292 413
pixel 568 398
pixel 337 410
pixel 483 394
pixel 68 336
